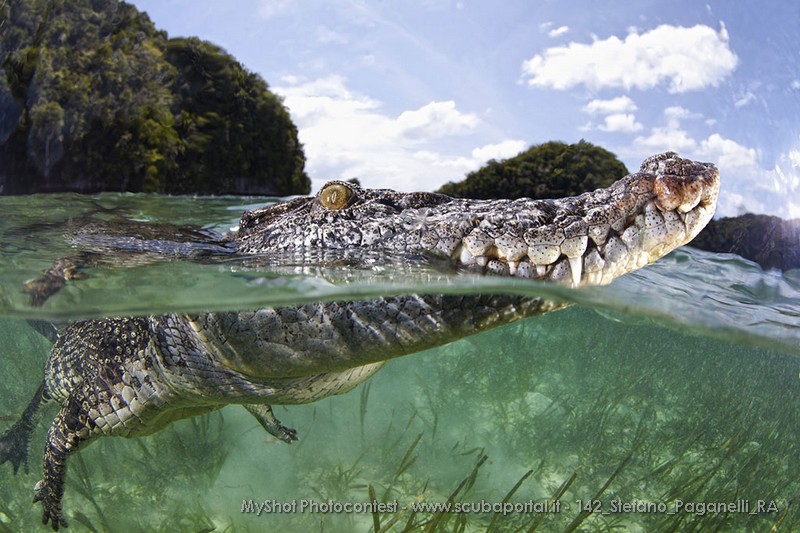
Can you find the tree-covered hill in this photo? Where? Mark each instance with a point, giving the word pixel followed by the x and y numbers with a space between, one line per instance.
pixel 550 170
pixel 769 241
pixel 94 98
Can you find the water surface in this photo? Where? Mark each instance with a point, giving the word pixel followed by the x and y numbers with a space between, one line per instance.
pixel 678 383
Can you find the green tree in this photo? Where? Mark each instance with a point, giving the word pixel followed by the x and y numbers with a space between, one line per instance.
pixel 46 135
pixel 235 135
pixel 768 240
pixel 550 170
pixel 93 98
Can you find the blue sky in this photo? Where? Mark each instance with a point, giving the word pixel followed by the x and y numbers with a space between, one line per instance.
pixel 409 95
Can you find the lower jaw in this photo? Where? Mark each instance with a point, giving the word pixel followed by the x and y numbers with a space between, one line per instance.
pixel 565 271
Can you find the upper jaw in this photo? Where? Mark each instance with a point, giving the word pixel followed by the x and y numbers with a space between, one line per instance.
pixel 596 237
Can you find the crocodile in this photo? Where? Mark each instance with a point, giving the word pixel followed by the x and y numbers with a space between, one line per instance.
pixel 131 376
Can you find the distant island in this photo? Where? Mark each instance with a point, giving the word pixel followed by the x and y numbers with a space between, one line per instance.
pixel 550 170
pixel 768 240
pixel 94 98
pixel 556 169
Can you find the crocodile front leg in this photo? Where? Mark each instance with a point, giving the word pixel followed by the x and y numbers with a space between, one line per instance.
pixel 56 277
pixel 267 419
pixel 71 430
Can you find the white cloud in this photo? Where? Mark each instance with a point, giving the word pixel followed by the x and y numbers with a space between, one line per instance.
pixel 666 138
pixel 330 86
pixel 561 30
pixel 346 134
pixel 620 122
pixel 727 153
pixel 684 58
pixel 746 186
pixel 501 150
pixel 795 84
pixel 794 158
pixel 463 164
pixel 773 191
pixel 619 116
pixel 671 136
pixel 676 113
pixel 620 104
pixel 478 157
pixel 787 181
pixel 436 119
pixel 744 100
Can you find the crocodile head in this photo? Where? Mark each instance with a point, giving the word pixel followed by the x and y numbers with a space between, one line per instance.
pixel 583 240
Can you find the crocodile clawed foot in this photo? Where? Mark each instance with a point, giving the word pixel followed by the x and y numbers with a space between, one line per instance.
pixel 51 505
pixel 55 278
pixel 14 446
pixel 268 421
pixel 43 287
pixel 287 435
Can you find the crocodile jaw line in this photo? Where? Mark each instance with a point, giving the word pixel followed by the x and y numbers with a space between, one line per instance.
pixel 676 208
pixel 651 234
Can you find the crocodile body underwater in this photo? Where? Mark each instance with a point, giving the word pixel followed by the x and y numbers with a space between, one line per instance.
pixel 132 376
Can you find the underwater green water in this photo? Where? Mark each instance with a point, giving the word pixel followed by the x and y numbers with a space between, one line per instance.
pixel 675 391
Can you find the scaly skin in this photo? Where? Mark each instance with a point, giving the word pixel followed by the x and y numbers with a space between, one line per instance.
pixel 133 376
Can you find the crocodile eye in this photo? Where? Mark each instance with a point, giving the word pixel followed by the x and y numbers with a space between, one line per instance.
pixel 335 196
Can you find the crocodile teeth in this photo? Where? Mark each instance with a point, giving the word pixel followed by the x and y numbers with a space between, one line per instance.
pixel 466 257
pixel 512 267
pixel 594 278
pixel 575 266
pixel 541 270
pixel 692 221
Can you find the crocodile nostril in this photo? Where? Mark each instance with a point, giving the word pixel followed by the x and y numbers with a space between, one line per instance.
pixel 668 192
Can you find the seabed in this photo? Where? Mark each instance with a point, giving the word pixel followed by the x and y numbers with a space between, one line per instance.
pixel 616 420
